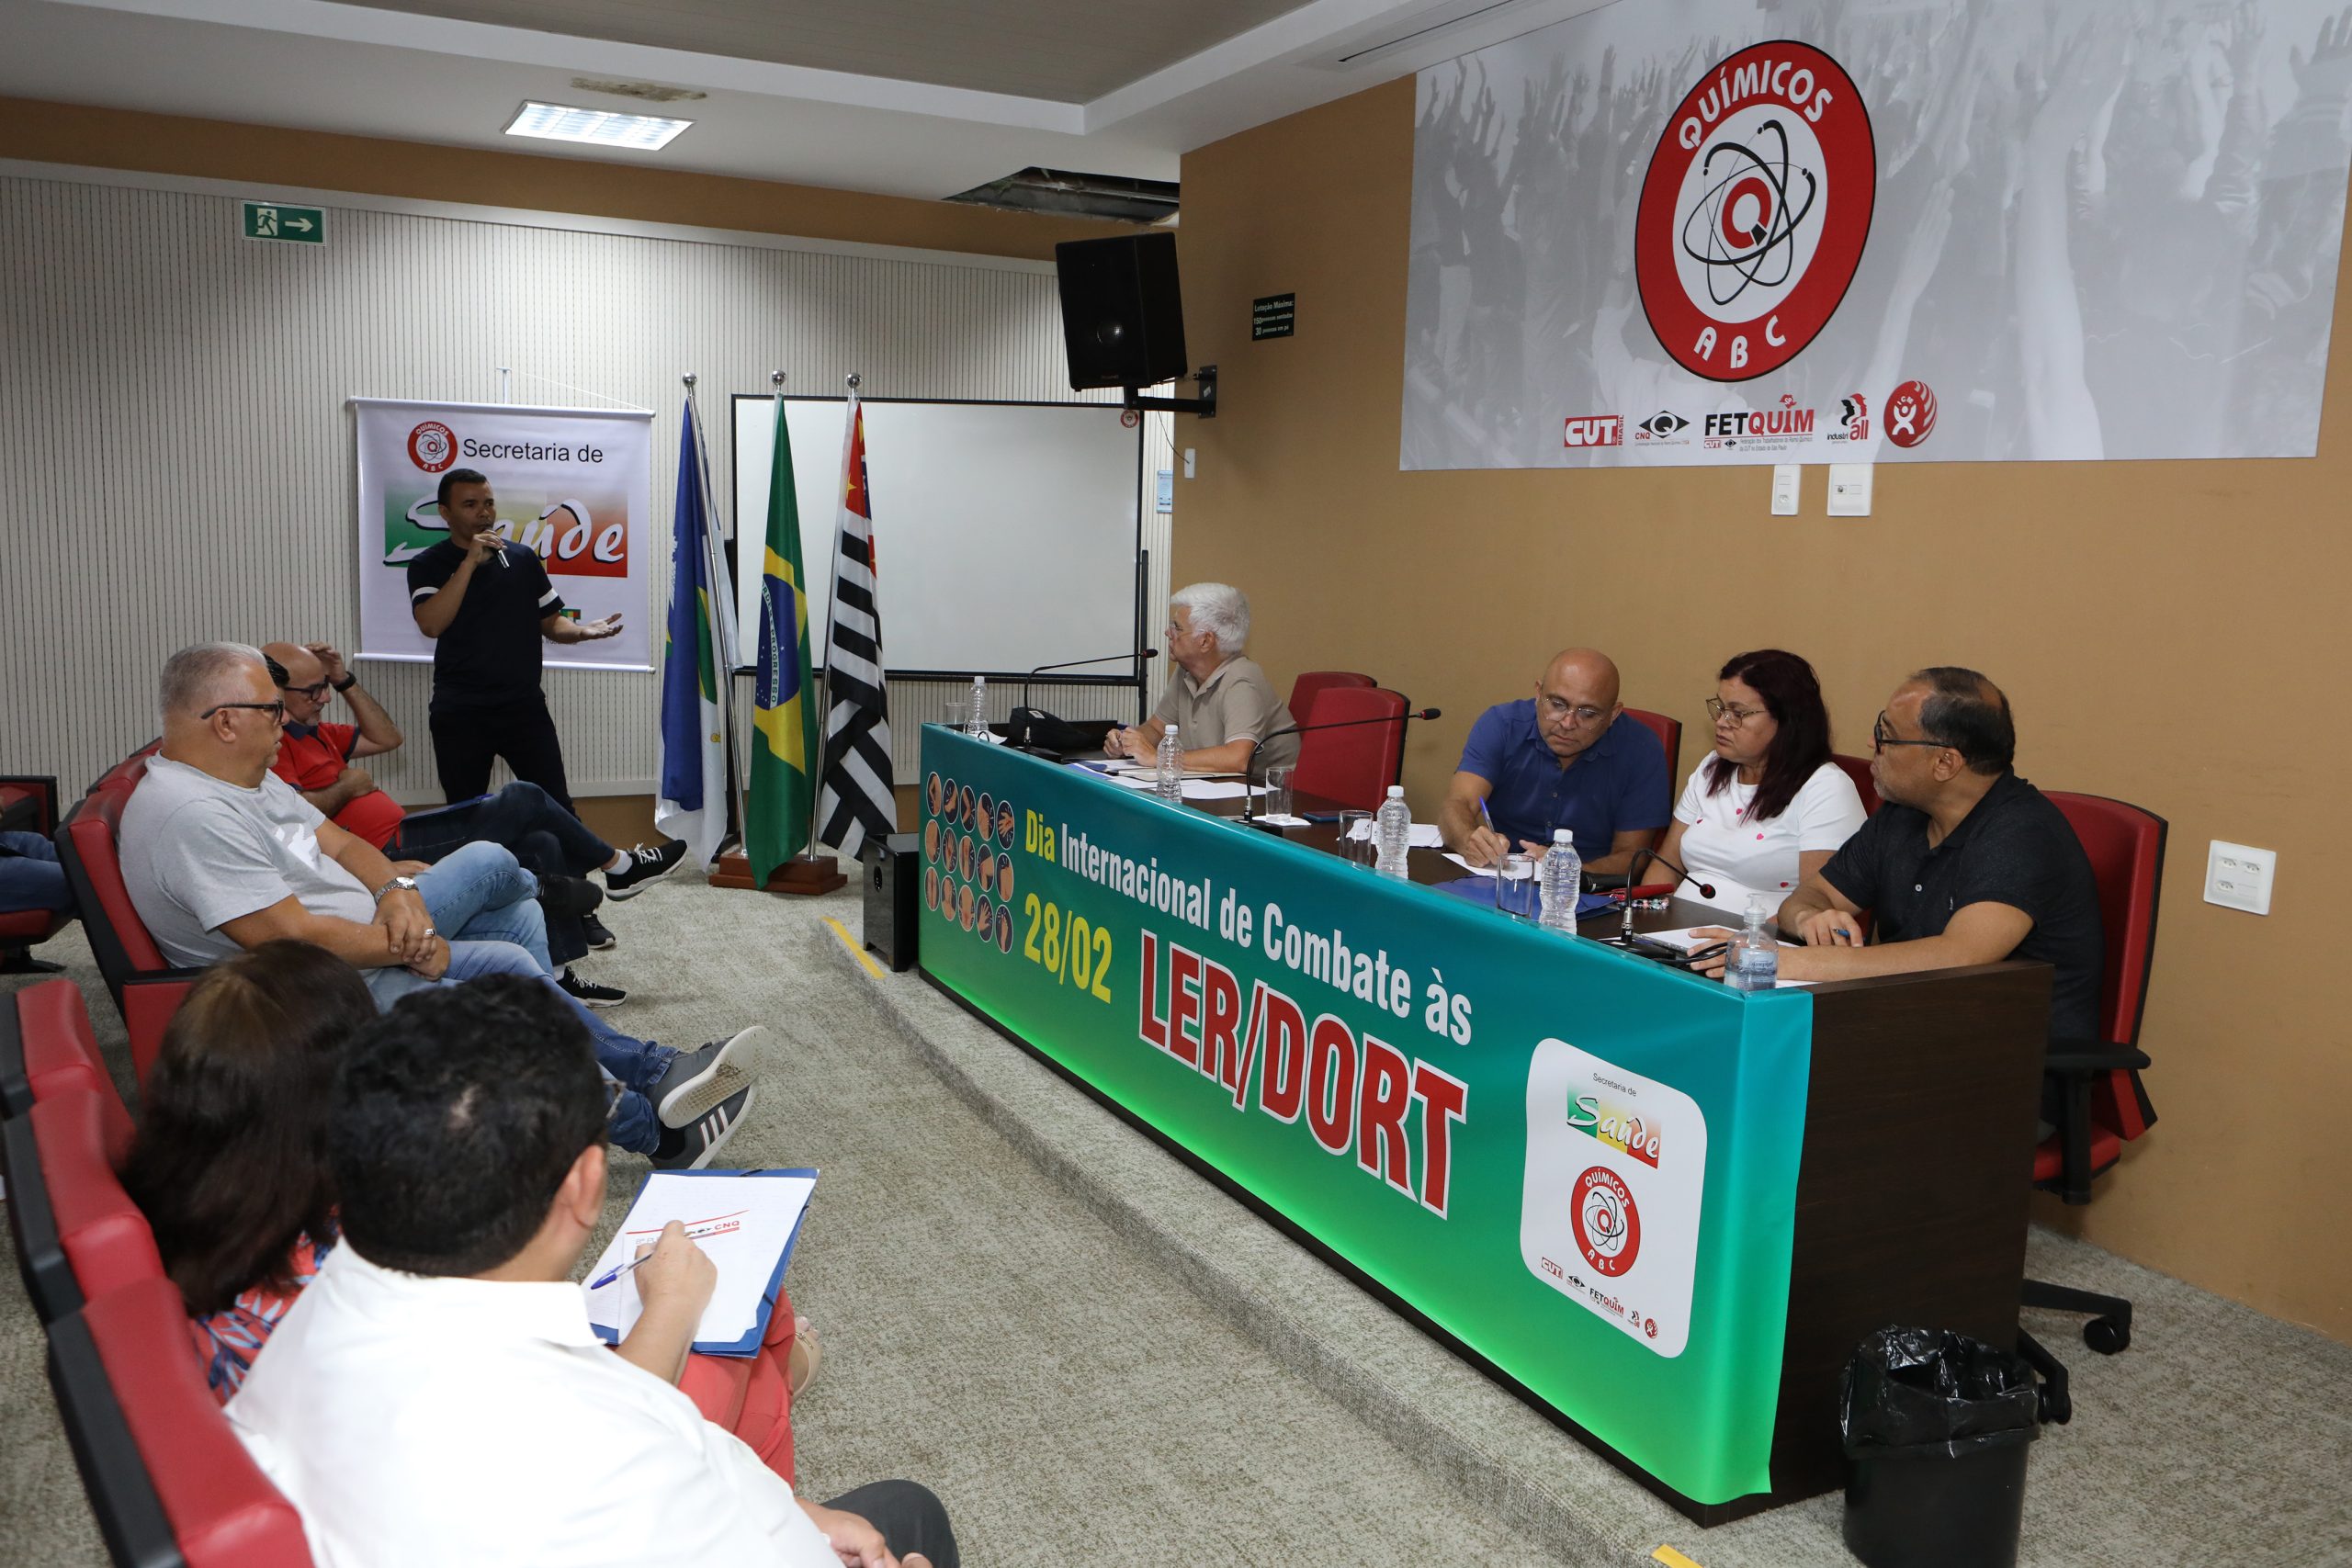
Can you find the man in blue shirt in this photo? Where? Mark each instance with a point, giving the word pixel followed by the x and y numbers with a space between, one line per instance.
pixel 1568 757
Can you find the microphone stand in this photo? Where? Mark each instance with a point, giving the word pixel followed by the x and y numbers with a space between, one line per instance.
pixel 1634 871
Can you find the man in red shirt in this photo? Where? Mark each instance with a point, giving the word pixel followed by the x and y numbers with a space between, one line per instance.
pixel 321 760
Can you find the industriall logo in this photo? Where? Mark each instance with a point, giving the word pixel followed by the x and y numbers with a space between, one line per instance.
pixel 1853 420
pixel 1662 428
pixel 1754 210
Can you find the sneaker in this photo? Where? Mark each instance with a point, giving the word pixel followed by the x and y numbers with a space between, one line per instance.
pixel 699 1079
pixel 574 895
pixel 646 863
pixel 692 1147
pixel 588 993
pixel 599 939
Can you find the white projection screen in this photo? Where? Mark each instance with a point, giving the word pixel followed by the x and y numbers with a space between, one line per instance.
pixel 1005 533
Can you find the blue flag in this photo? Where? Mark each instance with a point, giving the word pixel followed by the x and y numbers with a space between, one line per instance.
pixel 692 804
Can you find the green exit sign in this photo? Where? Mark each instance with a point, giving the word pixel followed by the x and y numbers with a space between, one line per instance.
pixel 296 225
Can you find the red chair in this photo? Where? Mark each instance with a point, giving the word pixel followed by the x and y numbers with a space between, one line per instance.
pixel 147 990
pixel 1353 766
pixel 1858 770
pixel 29 805
pixel 83 1235
pixel 168 1481
pixel 1314 683
pixel 47 1049
pixel 2103 1103
pixel 1669 735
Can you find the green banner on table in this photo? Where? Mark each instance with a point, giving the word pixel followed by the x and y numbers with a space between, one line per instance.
pixel 1579 1164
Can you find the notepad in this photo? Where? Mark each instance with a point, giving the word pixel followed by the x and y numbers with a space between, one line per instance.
pixel 1424 835
pixel 746 1220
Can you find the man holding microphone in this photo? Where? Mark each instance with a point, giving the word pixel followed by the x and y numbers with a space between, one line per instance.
pixel 487 603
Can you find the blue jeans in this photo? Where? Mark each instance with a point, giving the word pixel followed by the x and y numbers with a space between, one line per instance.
pixel 547 841
pixel 487 908
pixel 30 877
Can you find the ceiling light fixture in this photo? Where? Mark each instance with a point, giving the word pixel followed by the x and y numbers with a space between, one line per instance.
pixel 599 128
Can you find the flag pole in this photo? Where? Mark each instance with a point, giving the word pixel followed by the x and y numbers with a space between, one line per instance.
pixel 825 664
pixel 722 651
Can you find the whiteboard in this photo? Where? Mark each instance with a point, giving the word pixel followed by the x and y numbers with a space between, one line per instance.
pixel 1004 533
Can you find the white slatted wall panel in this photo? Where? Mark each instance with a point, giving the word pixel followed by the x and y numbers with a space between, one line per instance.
pixel 176 452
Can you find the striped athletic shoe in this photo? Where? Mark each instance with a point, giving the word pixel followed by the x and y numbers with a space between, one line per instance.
pixel 707 1134
pixel 696 1080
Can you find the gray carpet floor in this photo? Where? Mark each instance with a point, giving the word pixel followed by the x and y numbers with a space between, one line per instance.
pixel 1093 1354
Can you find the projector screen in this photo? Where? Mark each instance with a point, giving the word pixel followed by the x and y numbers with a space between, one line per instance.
pixel 1005 533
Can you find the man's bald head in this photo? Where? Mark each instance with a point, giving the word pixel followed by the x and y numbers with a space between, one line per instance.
pixel 301 678
pixel 1576 701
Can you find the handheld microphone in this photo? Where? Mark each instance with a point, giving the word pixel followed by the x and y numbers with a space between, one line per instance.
pixel 1249 774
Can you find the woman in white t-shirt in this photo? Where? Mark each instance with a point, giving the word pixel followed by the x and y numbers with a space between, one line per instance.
pixel 1768 807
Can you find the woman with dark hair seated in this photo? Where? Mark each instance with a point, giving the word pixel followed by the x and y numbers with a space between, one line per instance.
pixel 1768 807
pixel 230 1169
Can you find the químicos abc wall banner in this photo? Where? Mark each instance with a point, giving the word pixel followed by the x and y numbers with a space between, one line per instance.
pixel 1701 231
pixel 572 485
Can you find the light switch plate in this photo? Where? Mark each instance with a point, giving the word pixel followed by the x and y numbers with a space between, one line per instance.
pixel 2238 876
pixel 1188 462
pixel 1849 490
pixel 1786 482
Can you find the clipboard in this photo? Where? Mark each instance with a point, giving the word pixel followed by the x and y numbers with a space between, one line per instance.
pixel 748 1343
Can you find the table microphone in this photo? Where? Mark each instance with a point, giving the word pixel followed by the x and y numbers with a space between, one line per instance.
pixel 1249 774
pixel 1634 869
pixel 1142 656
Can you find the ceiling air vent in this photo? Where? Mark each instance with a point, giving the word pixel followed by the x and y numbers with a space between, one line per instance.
pixel 645 92
pixel 1067 194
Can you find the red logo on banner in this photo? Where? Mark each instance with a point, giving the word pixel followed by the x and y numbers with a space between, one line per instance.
pixel 432 446
pixel 1608 1228
pixel 1754 210
pixel 1595 430
pixel 1910 414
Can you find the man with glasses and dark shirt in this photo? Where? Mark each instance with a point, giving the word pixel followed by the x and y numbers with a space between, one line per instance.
pixel 487 603
pixel 1966 863
pixel 1568 757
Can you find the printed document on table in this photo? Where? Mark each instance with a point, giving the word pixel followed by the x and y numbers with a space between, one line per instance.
pixel 746 1222
pixel 1690 940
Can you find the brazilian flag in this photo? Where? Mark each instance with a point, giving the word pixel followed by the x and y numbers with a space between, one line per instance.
pixel 784 719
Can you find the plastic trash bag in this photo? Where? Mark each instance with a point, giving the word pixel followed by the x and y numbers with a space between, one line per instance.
pixel 1929 1389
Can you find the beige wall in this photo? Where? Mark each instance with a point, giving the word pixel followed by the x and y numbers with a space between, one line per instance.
pixel 206 148
pixel 2171 634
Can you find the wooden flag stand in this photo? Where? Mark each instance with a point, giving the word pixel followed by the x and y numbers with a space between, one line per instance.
pixel 804 875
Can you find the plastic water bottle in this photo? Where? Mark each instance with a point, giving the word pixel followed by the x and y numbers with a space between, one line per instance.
pixel 977 724
pixel 1171 768
pixel 1563 883
pixel 1754 962
pixel 1392 828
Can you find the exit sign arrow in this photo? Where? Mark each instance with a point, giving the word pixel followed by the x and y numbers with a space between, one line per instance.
pixel 292 225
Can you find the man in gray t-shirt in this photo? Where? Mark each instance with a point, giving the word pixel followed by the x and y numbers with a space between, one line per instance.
pixel 1225 710
pixel 217 854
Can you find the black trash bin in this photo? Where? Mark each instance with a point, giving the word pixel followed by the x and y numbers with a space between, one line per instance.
pixel 1937 1427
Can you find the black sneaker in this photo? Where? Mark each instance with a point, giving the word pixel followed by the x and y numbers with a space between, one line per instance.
pixel 692 1147
pixel 574 895
pixel 588 993
pixel 599 939
pixel 699 1079
pixel 646 863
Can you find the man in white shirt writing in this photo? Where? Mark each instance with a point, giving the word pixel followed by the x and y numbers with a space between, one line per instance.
pixel 436 1395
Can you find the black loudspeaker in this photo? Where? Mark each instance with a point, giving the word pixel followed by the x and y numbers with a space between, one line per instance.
pixel 1123 315
pixel 893 899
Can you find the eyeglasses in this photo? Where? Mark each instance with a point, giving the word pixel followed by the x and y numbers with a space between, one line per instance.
pixel 1882 737
pixel 1717 707
pixel 277 711
pixel 1579 717
pixel 317 692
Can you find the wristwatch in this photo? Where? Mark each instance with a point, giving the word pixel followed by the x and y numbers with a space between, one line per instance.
pixel 397 883
pixel 345 684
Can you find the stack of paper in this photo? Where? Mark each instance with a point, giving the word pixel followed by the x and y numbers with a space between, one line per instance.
pixel 746 1220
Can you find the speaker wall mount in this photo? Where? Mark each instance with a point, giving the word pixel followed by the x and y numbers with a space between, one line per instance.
pixel 1204 405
